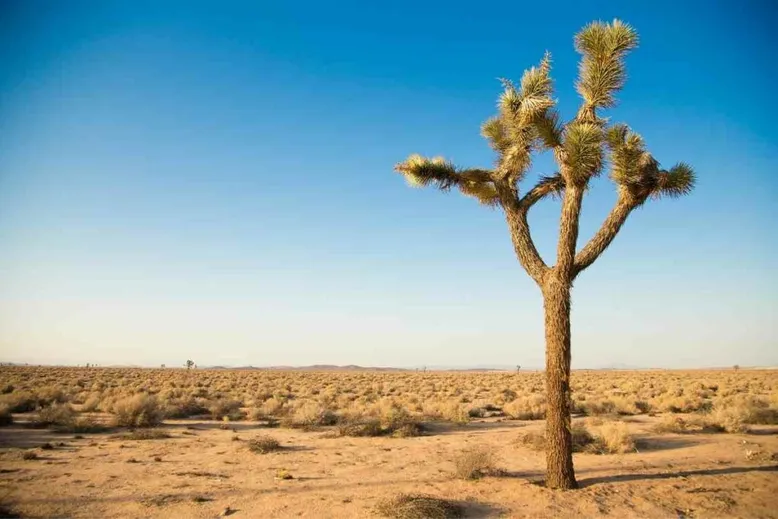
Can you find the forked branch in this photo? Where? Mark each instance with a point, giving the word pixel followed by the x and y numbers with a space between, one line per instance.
pixel 605 235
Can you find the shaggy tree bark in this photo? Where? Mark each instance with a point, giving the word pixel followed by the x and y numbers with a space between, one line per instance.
pixel 559 443
pixel 556 305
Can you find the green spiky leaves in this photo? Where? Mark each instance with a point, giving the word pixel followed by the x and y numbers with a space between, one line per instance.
pixel 637 171
pixel 676 182
pixel 581 155
pixel 601 72
pixel 420 172
pixel 438 172
pixel 525 121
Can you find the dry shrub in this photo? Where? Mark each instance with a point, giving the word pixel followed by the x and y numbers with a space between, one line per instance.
pixel 754 410
pixel 418 506
pixel 274 406
pixel 263 444
pixel 81 425
pixel 534 440
pixel 732 415
pixel 222 408
pixel 408 430
pixel 731 419
pixel 91 404
pixel 146 434
pixel 392 420
pixel 361 428
pixel 675 424
pixel 138 411
pixel 764 416
pixel 613 438
pixel 485 411
pixel 609 438
pixel 6 418
pixel 184 408
pixel 532 407
pixel 398 422
pixel 453 412
pixel 475 462
pixel 598 407
pixel 684 404
pixel 7 512
pixel 29 455
pixel 310 414
pixel 19 402
pixel 56 414
pixel 49 395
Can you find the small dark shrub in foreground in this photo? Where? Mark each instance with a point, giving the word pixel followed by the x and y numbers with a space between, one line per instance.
pixel 418 506
pixel 263 444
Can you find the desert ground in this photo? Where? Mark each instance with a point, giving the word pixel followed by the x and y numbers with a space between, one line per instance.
pixel 125 442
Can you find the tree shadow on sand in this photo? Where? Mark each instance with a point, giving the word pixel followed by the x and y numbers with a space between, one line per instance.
pixel 660 443
pixel 624 478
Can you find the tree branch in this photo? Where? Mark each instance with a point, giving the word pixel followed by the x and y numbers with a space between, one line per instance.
pixel 516 210
pixel 605 235
pixel 568 231
pixel 523 245
pixel 551 185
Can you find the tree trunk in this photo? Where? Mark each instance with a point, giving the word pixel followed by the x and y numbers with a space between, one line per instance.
pixel 559 444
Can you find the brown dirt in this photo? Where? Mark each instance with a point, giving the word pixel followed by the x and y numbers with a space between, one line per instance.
pixel 202 471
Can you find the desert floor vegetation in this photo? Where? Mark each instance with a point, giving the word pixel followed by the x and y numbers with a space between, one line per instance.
pixel 349 442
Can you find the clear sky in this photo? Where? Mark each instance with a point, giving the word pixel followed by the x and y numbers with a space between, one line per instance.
pixel 213 180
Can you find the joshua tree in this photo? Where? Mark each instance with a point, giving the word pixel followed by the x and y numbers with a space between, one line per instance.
pixel 528 121
pixel 189 364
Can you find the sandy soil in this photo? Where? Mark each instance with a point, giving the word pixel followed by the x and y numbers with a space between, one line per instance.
pixel 206 471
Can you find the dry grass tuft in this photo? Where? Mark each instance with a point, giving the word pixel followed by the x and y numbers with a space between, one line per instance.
pixel 418 506
pixel 475 463
pixel 264 444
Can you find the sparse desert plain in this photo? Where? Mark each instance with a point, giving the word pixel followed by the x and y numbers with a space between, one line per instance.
pixel 126 442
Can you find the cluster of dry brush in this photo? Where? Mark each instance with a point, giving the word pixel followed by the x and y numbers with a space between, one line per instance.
pixel 371 403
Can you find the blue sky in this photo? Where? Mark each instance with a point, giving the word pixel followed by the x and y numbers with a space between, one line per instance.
pixel 213 180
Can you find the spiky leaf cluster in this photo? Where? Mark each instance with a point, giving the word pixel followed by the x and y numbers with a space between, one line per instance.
pixel 527 121
pixel 601 70
pixel 420 172
pixel 639 173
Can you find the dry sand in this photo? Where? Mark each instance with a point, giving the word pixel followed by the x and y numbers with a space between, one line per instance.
pixel 204 470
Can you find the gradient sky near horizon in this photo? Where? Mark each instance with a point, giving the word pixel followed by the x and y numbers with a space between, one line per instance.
pixel 213 180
